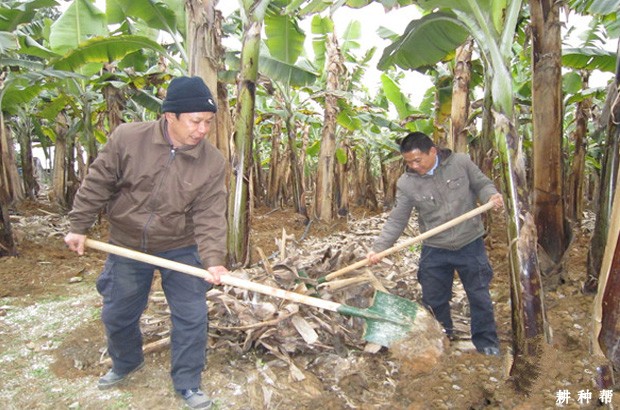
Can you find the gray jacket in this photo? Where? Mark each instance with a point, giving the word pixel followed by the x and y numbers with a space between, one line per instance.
pixel 454 189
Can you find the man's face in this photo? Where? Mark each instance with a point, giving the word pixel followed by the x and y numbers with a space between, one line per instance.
pixel 420 162
pixel 189 128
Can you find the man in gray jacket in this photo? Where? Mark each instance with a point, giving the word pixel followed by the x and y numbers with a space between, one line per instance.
pixel 163 187
pixel 441 186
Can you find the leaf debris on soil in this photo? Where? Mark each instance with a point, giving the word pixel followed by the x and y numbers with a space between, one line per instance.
pixel 269 353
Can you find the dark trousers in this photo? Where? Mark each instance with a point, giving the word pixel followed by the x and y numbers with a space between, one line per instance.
pixel 125 285
pixel 436 275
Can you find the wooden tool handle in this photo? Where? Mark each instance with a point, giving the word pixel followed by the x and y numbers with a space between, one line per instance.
pixel 202 273
pixel 419 238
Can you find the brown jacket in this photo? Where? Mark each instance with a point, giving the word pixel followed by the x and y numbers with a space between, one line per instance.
pixel 157 198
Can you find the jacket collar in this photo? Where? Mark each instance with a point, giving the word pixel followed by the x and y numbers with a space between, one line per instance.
pixel 162 138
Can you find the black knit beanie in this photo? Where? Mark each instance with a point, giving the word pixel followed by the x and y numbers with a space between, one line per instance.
pixel 188 94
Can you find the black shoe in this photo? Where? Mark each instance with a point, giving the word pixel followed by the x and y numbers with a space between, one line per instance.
pixel 111 378
pixel 490 351
pixel 195 399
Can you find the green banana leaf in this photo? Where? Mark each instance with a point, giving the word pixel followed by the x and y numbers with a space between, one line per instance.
pixel 589 58
pixel 425 42
pixel 289 74
pixel 13 17
pixel 106 49
pixel 285 39
pixel 80 21
pixel 604 7
pixel 155 14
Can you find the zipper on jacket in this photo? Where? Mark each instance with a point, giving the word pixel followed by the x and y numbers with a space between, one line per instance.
pixel 153 194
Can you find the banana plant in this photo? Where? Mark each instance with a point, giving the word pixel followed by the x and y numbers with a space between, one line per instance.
pixel 62 59
pixel 285 41
pixel 254 12
pixel 602 259
pixel 606 316
pixel 554 234
pixel 15 23
pixel 584 59
pixel 82 41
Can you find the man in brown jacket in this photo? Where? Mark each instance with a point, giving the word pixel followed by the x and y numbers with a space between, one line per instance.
pixel 163 187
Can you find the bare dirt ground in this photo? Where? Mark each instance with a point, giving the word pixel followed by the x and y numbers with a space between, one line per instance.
pixel 52 343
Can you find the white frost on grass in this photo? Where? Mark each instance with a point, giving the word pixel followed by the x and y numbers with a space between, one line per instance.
pixel 28 336
pixel 50 319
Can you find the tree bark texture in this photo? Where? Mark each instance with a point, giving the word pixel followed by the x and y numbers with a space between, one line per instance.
pixel 481 149
pixel 460 97
pixel 548 198
pixel 11 180
pixel 390 172
pixel 296 175
pixel 575 198
pixel 324 197
pixel 606 309
pixel 307 179
pixel 605 193
pixel 274 178
pixel 364 187
pixel 605 340
pixel 343 179
pixel 115 103
pixel 240 185
pixel 59 170
pixel 443 105
pixel 259 179
pixel 528 313
pixel 7 244
pixel 206 56
pixel 31 187
pixel 609 335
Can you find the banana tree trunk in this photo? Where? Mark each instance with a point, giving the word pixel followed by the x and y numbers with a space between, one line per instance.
pixel 115 105
pixel 480 148
pixel 7 243
pixel 605 340
pixel 609 333
pixel 460 97
pixel 443 106
pixel 258 180
pixel 239 200
pixel 297 182
pixel 59 170
pixel 274 177
pixel 528 313
pixel 548 182
pixel 390 170
pixel 609 170
pixel 307 178
pixel 10 175
pixel 343 173
pixel 324 198
pixel 575 197
pixel 206 56
pixel 606 315
pixel 31 187
pixel 364 185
